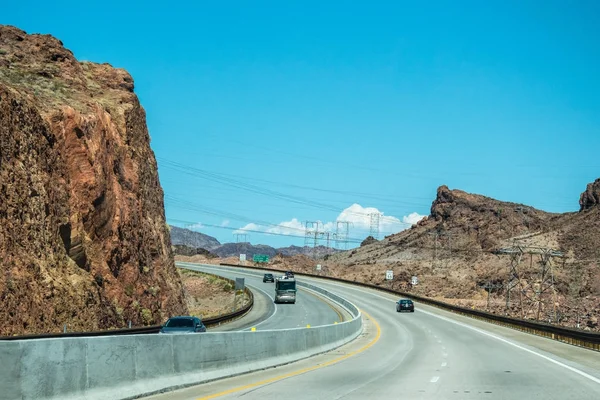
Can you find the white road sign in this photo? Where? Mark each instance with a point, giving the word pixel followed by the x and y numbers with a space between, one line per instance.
pixel 242 257
pixel 414 280
pixel 389 275
pixel 318 267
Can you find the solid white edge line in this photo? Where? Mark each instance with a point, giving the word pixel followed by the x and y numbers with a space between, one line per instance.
pixel 258 274
pixel 252 286
pixel 572 369
pixel 270 316
pixel 556 362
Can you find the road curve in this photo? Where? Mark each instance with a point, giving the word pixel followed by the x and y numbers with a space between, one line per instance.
pixel 429 354
pixel 310 309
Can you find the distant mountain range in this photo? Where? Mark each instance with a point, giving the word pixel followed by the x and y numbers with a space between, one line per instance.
pixel 186 237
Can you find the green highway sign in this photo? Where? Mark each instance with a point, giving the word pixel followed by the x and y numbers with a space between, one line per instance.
pixel 260 258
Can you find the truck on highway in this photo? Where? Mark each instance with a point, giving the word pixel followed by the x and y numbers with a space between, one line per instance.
pixel 285 290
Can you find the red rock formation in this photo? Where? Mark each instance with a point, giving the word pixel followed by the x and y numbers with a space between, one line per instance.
pixel 591 197
pixel 83 237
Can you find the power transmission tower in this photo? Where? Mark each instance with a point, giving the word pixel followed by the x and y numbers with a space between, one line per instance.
pixel 436 236
pixel 327 234
pixel 244 237
pixel 374 231
pixel 311 229
pixel 342 231
pixel 533 286
pixel 436 239
pixel 515 253
pixel 489 286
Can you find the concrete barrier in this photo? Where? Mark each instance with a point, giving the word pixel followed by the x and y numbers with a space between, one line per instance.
pixel 124 367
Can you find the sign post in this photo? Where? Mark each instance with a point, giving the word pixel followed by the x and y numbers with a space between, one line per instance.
pixel 414 281
pixel 389 276
pixel 239 286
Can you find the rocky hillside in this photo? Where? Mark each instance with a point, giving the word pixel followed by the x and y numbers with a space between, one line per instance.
pixel 186 237
pixel 453 253
pixel 83 238
pixel 197 241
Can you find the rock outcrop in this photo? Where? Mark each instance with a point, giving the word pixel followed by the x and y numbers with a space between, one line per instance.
pixel 454 254
pixel 485 221
pixel 591 197
pixel 83 237
pixel 368 240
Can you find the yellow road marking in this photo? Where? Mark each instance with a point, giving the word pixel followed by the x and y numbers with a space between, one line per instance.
pixel 338 312
pixel 301 371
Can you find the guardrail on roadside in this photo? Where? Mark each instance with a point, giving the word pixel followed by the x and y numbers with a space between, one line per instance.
pixel 575 337
pixel 132 366
pixel 145 330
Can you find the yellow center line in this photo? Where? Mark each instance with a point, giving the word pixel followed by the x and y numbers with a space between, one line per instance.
pixel 326 302
pixel 301 371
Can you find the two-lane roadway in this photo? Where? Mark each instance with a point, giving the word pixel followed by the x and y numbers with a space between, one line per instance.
pixel 309 309
pixel 428 354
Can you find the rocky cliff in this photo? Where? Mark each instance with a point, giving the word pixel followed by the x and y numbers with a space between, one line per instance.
pixel 83 237
pixel 454 254
pixel 591 197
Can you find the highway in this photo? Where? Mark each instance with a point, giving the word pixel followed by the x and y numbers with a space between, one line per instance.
pixel 309 309
pixel 429 354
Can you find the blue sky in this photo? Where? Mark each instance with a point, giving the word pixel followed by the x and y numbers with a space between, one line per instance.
pixel 262 112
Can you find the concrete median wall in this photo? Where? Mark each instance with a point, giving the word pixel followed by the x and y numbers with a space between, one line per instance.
pixel 122 367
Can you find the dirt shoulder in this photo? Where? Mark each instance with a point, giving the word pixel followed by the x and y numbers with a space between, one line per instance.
pixel 209 296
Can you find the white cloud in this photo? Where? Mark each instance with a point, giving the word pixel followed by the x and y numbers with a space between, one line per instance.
pixel 360 217
pixel 225 223
pixel 357 215
pixel 249 227
pixel 292 227
pixel 412 218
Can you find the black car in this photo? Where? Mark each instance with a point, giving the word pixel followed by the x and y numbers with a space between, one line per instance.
pixel 182 325
pixel 289 274
pixel 268 278
pixel 405 305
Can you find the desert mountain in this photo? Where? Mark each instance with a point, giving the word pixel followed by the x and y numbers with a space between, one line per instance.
pixel 190 243
pixel 454 254
pixel 83 237
pixel 187 237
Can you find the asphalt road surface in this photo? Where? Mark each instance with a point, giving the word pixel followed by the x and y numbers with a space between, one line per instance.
pixel 428 354
pixel 309 309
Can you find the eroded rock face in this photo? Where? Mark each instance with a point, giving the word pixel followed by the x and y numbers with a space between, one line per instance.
pixel 83 237
pixel 591 197
pixel 481 219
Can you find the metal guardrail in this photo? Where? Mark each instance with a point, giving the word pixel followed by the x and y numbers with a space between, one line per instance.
pixel 589 340
pixel 145 330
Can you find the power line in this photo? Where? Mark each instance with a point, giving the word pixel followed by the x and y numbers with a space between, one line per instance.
pixel 179 221
pixel 224 179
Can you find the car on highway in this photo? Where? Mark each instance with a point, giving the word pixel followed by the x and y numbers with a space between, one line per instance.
pixel 268 278
pixel 289 274
pixel 405 305
pixel 183 325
